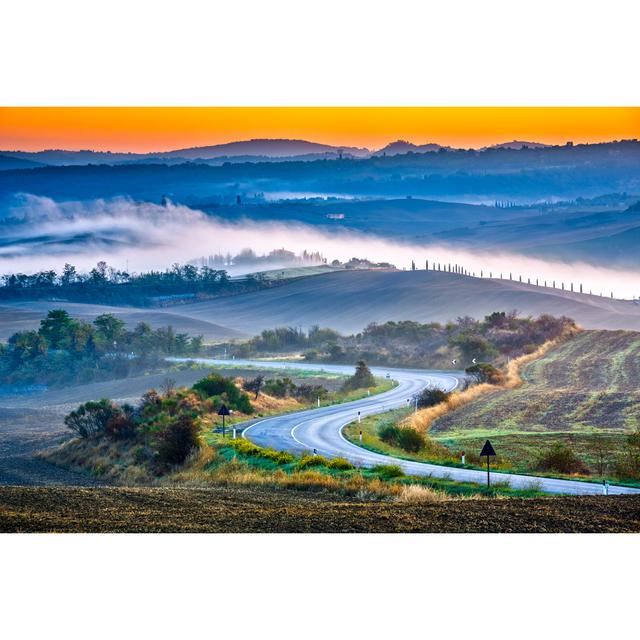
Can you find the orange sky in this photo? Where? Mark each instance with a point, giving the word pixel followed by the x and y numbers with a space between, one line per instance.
pixel 144 129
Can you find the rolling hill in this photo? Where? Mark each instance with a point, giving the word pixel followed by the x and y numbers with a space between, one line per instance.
pixel 348 301
pixel 582 393
pixel 22 316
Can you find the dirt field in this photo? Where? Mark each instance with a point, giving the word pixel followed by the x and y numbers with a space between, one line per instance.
pixel 262 510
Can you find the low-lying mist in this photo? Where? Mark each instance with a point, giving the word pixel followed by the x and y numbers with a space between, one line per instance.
pixel 41 234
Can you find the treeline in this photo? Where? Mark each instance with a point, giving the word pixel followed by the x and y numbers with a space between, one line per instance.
pixel 496 338
pixel 106 284
pixel 67 350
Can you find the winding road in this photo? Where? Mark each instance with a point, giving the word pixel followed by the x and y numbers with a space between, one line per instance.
pixel 321 429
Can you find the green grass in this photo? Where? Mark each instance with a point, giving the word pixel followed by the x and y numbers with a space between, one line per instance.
pixel 517 451
pixel 265 459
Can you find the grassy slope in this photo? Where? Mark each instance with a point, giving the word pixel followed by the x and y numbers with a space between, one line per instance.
pixel 584 387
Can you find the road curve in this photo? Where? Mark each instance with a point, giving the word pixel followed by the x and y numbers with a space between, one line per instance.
pixel 321 429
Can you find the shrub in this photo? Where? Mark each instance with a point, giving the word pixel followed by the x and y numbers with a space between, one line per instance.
pixel 120 426
pixel 361 379
pixel 312 461
pixel 561 459
pixel 309 392
pixel 432 397
pixel 410 440
pixel 254 386
pixel 91 418
pixel 249 449
pixel 342 464
pixel 177 440
pixel 389 433
pixel 485 372
pixel 225 391
pixel 279 387
pixel 388 471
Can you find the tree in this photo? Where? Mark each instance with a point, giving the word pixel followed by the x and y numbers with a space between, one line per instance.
pixel 254 386
pixel 55 327
pixel 26 345
pixel 69 275
pixel 600 448
pixel 109 327
pixel 472 345
pixel 361 379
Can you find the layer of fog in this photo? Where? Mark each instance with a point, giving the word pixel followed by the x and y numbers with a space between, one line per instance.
pixel 139 236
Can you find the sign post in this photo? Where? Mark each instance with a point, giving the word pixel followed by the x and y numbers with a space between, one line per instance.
pixel 488 451
pixel 223 411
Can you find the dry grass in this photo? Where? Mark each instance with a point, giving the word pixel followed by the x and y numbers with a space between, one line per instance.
pixel 422 420
pixel 418 494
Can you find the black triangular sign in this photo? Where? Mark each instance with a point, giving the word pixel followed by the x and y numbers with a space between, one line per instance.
pixel 223 411
pixel 487 450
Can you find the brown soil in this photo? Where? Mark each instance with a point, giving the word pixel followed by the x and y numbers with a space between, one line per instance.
pixel 232 509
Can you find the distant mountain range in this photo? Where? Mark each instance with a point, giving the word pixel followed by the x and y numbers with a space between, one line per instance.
pixel 518 144
pixel 400 147
pixel 256 150
pixel 264 147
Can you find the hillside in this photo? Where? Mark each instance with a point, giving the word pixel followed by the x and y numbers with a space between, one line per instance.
pixel 349 301
pixel 583 393
pixel 21 316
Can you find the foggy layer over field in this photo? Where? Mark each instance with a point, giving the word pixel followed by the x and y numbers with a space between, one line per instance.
pixel 44 234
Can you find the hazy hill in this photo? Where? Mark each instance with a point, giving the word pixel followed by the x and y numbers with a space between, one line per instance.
pixel 518 144
pixel 9 162
pixel 250 149
pixel 263 147
pixel 348 301
pixel 539 174
pixel 403 146
pixel 23 316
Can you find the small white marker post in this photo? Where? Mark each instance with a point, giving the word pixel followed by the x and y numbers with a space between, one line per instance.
pixel 358 417
pixel 234 433
pixel 368 392
pixel 360 436
pixel 462 457
pixel 318 402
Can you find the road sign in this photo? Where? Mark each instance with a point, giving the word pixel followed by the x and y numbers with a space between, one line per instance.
pixel 453 362
pixel 488 451
pixel 474 361
pixel 223 411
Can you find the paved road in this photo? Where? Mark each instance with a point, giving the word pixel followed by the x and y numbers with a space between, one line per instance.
pixel 321 429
